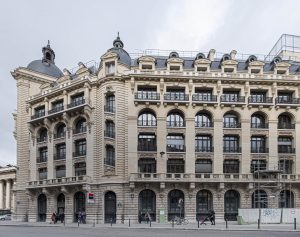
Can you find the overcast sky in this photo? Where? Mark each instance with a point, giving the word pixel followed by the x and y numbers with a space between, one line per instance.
pixel 84 30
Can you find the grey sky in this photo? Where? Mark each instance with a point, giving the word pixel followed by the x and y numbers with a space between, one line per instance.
pixel 84 30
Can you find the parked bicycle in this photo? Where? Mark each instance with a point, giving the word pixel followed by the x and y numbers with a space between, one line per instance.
pixel 181 221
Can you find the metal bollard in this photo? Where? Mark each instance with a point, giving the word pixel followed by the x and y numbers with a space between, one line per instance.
pixel 258 224
pixel 150 223
pixel 226 223
pixel 129 223
pixel 172 223
pixel 198 224
pixel 295 221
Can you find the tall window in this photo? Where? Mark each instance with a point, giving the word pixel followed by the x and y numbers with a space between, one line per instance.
pixel 285 145
pixel 80 126
pixel 285 122
pixel 258 144
pixel 203 120
pixel 80 169
pixel 175 166
pixel 77 99
pixel 176 94
pixel 231 166
pixel 147 93
pixel 259 199
pixel 39 112
pixel 60 171
pixel 231 121
pixel 175 143
pixel 202 95
pixel 147 165
pixel 60 151
pixel 286 166
pixel 110 129
pixel 230 96
pixel 258 97
pixel 203 143
pixel 204 203
pixel 284 97
pixel 147 142
pixel 203 166
pixel 175 119
pixel 110 103
pixel 60 131
pixel 42 173
pixel 80 147
pixel 231 144
pixel 43 135
pixel 110 156
pixel 57 106
pixel 43 152
pixel 258 121
pixel 147 118
pixel 110 68
pixel 257 165
pixel 286 199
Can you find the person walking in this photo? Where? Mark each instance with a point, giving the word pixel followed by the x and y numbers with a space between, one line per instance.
pixel 53 217
pixel 212 217
pixel 147 217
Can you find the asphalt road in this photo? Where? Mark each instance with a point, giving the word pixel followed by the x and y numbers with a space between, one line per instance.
pixel 20 231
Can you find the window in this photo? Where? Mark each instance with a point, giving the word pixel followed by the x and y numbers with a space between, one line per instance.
pixel 39 112
pixel 147 142
pixel 110 68
pixel 60 131
pixel 284 97
pixel 231 144
pixel 147 165
pixel 175 119
pixel 286 199
pixel 285 122
pixel 259 199
pixel 231 166
pixel 203 166
pixel 203 143
pixel 203 120
pixel 60 151
pixel 80 147
pixel 176 94
pixel 258 121
pixel 175 143
pixel 109 129
pixel 174 68
pixel 285 145
pixel 77 100
pixel 43 152
pixel 147 119
pixel 204 203
pixel 80 169
pixel 286 166
pixel 43 135
pixel 257 165
pixel 80 126
pixel 147 93
pixel 110 156
pixel 230 96
pixel 110 104
pixel 231 121
pixel 60 171
pixel 257 97
pixel 42 173
pixel 202 95
pixel 175 166
pixel 258 145
pixel 57 106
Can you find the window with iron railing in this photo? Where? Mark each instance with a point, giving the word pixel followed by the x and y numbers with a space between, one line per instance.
pixel 147 93
pixel 175 143
pixel 258 144
pixel 285 145
pixel 175 119
pixel 43 135
pixel 258 121
pixel 232 96
pixel 80 169
pixel 284 98
pixel 146 119
pixel 43 173
pixel 203 143
pixel 259 97
pixel 43 155
pixel 60 131
pixel 60 152
pixel 203 120
pixel 110 103
pixel 77 100
pixel 56 107
pixel 176 94
pixel 204 95
pixel 175 166
pixel 109 129
pixel 80 148
pixel 231 166
pixel 147 165
pixel 231 121
pixel 231 144
pixel 147 142
pixel 80 126
pixel 38 112
pixel 285 122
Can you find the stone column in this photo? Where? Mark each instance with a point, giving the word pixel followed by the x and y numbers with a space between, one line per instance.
pixel 1 194
pixel 8 189
pixel 245 144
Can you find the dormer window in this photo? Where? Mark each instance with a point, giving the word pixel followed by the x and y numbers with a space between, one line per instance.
pixel 147 67
pixel 174 68
pixel 201 69
pixel 110 68
pixel 228 69
pixel 255 71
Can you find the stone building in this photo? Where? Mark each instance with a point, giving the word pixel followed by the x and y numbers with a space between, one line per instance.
pixel 7 181
pixel 175 135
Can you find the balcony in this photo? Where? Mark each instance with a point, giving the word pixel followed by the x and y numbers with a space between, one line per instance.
pixel 38 115
pixel 204 124
pixel 59 135
pixel 175 148
pixel 109 109
pixel 260 125
pixel 76 103
pixel 59 156
pixel 200 98
pixel 259 150
pixel 286 150
pixel 287 101
pixel 232 99
pixel 109 134
pixel 204 149
pixel 41 139
pixel 41 159
pixel 79 130
pixel 147 147
pixel 260 100
pixel 232 149
pixel 79 153
pixel 286 126
pixel 147 123
pixel 56 110
pixel 170 96
pixel 231 125
pixel 146 95
pixel 175 124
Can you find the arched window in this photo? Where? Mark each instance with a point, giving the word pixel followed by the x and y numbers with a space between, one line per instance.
pixel 285 122
pixel 147 118
pixel 231 204
pixel 175 119
pixel 61 204
pixel 203 120
pixel 79 204
pixel 43 134
pixel 259 199
pixel 110 156
pixel 175 204
pixel 204 204
pixel 286 199
pixel 109 129
pixel 147 203
pixel 258 121
pixel 60 131
pixel 80 126
pixel 42 207
pixel 110 207
pixel 231 121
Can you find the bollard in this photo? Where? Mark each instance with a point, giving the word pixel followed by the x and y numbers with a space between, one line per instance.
pixel 110 222
pixel 295 227
pixel 198 223
pixel 129 223
pixel 172 223
pixel 226 223
pixel 258 224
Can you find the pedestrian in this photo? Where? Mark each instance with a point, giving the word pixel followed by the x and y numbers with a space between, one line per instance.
pixel 62 217
pixel 79 216
pixel 147 217
pixel 53 217
pixel 83 217
pixel 140 217
pixel 212 217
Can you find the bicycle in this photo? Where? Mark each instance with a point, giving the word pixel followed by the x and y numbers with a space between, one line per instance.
pixel 181 221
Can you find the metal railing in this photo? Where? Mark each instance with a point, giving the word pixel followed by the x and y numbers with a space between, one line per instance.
pixel 38 115
pixel 79 153
pixel 176 96
pixel 259 150
pixel 259 125
pixel 204 98
pixel 286 126
pixel 280 100
pixel 59 135
pixel 204 124
pixel 287 150
pixel 175 148
pixel 110 134
pixel 260 100
pixel 59 156
pixel 76 103
pixel 204 149
pixel 231 125
pixel 146 95
pixel 147 123
pixel 175 124
pixel 232 149
pixel 41 159
pixel 233 98
pixel 55 110
pixel 41 139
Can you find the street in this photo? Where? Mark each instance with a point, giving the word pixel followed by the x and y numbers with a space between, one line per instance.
pixel 28 231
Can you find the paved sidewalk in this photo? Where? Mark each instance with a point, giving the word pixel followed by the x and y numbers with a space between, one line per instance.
pixel 192 226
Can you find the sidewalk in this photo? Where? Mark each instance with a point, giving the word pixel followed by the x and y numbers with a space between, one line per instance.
pixel 232 226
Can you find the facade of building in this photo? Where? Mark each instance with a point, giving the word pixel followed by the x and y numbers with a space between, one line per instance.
pixel 171 135
pixel 7 182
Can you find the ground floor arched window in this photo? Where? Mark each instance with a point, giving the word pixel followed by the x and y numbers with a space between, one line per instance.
pixel 79 204
pixel 204 204
pixel 286 199
pixel 110 207
pixel 259 199
pixel 147 203
pixel 60 204
pixel 231 204
pixel 175 204
pixel 42 207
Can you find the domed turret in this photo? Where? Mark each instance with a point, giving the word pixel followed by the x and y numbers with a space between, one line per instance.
pixel 123 56
pixel 46 65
